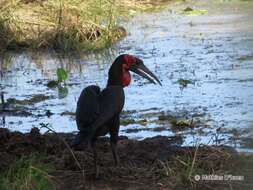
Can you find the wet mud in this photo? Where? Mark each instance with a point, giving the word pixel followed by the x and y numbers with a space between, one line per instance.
pixel 153 163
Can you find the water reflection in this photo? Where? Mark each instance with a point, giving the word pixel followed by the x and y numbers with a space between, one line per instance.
pixel 213 52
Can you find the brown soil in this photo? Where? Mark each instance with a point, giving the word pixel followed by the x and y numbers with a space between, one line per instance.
pixel 154 163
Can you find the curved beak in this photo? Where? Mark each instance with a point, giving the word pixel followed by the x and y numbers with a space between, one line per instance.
pixel 140 69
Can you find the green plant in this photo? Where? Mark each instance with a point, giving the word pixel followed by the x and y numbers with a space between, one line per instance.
pixel 184 82
pixel 62 75
pixel 27 173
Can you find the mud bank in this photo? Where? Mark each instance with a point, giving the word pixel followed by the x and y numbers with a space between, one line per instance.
pixel 153 163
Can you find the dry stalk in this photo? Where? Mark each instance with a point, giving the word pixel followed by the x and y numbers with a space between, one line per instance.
pixel 193 162
pixel 68 147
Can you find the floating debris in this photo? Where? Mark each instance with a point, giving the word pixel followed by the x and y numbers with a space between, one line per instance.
pixel 33 100
pixel 246 58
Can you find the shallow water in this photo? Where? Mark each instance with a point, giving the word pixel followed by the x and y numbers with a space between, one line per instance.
pixel 213 51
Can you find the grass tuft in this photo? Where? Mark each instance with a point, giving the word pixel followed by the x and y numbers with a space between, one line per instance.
pixel 64 25
pixel 27 173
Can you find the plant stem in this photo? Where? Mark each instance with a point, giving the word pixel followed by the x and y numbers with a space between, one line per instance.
pixel 2 100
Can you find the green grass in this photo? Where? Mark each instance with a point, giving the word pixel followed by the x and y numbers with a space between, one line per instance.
pixel 209 161
pixel 27 173
pixel 66 25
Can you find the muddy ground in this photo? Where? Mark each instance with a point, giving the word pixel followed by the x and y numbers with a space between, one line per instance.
pixel 153 163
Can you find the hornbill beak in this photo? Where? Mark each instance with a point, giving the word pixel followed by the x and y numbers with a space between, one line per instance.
pixel 140 69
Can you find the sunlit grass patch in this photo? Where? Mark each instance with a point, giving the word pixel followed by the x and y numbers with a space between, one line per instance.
pixel 66 25
pixel 63 24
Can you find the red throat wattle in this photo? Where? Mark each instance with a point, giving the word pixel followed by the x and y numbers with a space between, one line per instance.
pixel 126 77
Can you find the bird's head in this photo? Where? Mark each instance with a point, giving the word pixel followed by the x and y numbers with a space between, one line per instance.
pixel 119 72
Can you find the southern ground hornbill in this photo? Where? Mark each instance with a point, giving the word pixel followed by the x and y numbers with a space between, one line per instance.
pixel 98 112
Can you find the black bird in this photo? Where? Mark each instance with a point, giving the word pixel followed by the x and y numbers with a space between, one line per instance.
pixel 98 112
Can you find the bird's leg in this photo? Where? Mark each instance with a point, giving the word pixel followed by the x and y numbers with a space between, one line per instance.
pixel 114 131
pixel 114 152
pixel 93 146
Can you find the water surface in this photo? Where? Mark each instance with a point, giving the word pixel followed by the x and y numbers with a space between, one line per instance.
pixel 214 51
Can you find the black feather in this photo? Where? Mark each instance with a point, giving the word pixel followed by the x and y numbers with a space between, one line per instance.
pixel 95 110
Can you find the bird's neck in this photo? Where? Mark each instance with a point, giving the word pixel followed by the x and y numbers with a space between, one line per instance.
pixel 114 80
pixel 118 75
pixel 115 75
pixel 119 80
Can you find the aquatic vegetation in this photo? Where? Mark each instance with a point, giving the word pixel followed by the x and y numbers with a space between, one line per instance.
pixel 127 121
pixel 32 100
pixel 181 124
pixel 17 107
pixel 192 12
pixel 184 82
pixel 52 83
pixel 62 92
pixel 62 76
pixel 135 130
pixel 246 57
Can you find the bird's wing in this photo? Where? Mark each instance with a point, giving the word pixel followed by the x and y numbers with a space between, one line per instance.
pixel 87 109
pixel 111 102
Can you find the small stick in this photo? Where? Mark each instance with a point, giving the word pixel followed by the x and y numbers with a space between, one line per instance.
pixel 2 100
pixel 193 161
pixel 68 147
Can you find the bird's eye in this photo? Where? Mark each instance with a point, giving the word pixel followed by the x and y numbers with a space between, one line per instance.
pixel 125 66
pixel 129 59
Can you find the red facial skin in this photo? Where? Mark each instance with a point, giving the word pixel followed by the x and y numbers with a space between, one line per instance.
pixel 126 77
